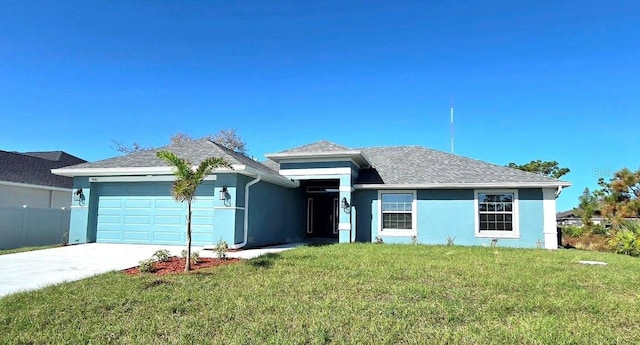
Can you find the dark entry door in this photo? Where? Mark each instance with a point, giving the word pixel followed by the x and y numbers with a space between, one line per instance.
pixel 322 215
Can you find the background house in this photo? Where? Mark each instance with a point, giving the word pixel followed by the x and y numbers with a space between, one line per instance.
pixel 34 203
pixel 570 217
pixel 322 190
pixel 26 179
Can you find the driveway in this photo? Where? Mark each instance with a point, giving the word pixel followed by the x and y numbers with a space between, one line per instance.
pixel 39 268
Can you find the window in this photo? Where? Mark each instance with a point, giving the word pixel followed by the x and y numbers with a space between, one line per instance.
pixel 497 213
pixel 397 210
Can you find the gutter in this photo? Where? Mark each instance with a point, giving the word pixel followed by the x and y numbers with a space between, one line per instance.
pixel 246 214
pixel 464 185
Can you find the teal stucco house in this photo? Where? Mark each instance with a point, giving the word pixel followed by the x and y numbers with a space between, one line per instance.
pixel 322 190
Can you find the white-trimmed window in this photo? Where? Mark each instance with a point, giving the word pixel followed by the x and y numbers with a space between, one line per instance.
pixel 497 213
pixel 397 212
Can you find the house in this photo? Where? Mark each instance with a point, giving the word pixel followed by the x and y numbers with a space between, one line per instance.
pixel 570 217
pixel 34 203
pixel 26 179
pixel 322 190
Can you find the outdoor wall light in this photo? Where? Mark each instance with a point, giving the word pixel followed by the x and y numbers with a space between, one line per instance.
pixel 79 196
pixel 224 193
pixel 345 205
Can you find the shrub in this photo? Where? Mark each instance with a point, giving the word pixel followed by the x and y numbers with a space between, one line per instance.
pixel 146 265
pixel 65 239
pixel 221 249
pixel 633 226
pixel 450 240
pixel 162 255
pixel 599 229
pixel 573 230
pixel 626 242
pixel 195 256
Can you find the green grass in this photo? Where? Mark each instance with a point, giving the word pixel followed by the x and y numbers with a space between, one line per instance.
pixel 25 249
pixel 358 294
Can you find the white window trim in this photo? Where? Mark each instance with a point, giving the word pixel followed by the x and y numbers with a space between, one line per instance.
pixel 516 215
pixel 414 218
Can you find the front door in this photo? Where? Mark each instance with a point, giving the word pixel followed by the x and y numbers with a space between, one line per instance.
pixel 322 215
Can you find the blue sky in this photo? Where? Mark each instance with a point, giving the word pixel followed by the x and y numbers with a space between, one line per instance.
pixel 531 80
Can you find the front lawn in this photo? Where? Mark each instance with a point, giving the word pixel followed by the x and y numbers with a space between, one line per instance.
pixel 26 249
pixel 359 294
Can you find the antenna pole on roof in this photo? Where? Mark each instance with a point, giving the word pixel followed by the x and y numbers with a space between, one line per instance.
pixel 452 128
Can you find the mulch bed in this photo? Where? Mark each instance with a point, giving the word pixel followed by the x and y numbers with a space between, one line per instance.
pixel 175 265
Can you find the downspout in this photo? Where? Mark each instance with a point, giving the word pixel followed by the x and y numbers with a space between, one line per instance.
pixel 246 214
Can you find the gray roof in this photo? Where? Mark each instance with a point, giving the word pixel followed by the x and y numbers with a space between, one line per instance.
pixel 194 151
pixel 319 146
pixel 275 166
pixel 29 168
pixel 397 165
pixel 420 165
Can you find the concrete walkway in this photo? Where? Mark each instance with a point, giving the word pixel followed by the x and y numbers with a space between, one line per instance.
pixel 39 268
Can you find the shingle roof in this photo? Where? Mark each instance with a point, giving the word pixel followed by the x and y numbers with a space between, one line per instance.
pixel 398 165
pixel 395 165
pixel 318 146
pixel 30 169
pixel 419 165
pixel 194 151
pixel 58 156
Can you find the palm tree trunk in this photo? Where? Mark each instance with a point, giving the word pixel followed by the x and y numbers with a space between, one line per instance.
pixel 187 266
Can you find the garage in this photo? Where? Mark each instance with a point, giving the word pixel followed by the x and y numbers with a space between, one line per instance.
pixel 145 213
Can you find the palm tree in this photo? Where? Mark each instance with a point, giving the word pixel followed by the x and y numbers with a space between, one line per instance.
pixel 186 183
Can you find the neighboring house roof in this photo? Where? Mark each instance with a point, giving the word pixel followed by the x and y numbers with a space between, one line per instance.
pixel 27 168
pixel 572 214
pixel 146 162
pixel 58 156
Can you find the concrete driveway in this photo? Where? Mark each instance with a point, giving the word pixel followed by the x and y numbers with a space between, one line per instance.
pixel 39 268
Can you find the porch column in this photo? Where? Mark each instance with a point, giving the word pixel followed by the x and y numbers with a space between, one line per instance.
pixel 550 227
pixel 344 220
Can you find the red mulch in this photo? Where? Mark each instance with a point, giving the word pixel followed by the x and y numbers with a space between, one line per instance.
pixel 176 265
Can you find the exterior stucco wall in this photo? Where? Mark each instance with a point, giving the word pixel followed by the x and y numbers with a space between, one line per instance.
pixel 227 219
pixel 443 214
pixel 17 196
pixel 276 214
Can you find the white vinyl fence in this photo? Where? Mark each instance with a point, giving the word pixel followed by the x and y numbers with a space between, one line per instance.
pixel 25 226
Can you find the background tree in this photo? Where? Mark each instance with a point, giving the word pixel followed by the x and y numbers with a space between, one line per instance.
pixel 620 197
pixel 187 182
pixel 180 138
pixel 587 208
pixel 543 168
pixel 135 147
pixel 224 137
pixel 229 139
